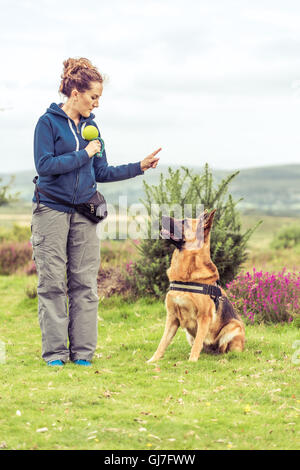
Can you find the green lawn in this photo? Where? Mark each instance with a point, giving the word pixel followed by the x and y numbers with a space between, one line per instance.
pixel 238 401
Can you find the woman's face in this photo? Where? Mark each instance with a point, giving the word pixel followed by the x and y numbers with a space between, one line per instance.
pixel 89 99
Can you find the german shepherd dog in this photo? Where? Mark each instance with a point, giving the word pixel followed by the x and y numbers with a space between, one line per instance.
pixel 209 319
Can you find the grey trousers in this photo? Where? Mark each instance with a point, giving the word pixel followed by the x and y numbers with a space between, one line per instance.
pixel 66 251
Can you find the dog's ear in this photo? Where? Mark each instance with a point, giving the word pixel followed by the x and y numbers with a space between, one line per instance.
pixel 203 218
pixel 208 219
pixel 203 215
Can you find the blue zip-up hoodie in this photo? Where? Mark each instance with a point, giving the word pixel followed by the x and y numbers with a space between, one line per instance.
pixel 63 165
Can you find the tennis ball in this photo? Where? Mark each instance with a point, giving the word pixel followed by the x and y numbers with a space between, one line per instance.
pixel 90 133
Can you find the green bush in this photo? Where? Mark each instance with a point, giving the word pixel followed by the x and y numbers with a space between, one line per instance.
pixel 18 233
pixel 228 244
pixel 288 237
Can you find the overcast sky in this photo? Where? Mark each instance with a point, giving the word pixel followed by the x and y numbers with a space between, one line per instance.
pixel 214 81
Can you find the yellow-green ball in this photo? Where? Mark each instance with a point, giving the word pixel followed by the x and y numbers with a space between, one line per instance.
pixel 90 133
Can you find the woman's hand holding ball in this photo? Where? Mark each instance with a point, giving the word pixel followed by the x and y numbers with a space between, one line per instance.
pixel 93 147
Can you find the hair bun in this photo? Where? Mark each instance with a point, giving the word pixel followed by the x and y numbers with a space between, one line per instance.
pixel 72 66
pixel 78 73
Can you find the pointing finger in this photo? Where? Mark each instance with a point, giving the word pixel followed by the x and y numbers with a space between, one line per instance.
pixel 156 151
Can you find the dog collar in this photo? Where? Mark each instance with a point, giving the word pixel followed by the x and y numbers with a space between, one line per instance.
pixel 197 288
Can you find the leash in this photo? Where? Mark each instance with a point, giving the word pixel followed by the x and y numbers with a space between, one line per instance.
pixel 206 289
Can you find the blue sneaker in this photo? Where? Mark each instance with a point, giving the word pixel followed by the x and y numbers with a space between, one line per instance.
pixel 82 362
pixel 58 362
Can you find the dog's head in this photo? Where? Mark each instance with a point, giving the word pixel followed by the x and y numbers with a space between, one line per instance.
pixel 188 234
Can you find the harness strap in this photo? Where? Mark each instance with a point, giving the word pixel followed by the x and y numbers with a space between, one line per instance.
pixel 207 289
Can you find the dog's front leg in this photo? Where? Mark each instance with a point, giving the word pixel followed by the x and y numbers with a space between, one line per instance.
pixel 171 327
pixel 202 330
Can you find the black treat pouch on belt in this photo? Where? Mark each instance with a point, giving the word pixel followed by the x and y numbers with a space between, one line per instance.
pixel 95 209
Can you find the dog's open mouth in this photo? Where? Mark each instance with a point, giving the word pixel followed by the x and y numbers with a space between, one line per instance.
pixel 172 231
pixel 165 234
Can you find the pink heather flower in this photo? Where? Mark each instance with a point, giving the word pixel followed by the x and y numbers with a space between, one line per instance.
pixel 268 296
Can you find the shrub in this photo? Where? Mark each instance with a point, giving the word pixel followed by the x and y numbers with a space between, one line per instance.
pixel 266 297
pixel 112 281
pixel 14 256
pixel 21 233
pixel 18 233
pixel 288 237
pixel 4 234
pixel 31 291
pixel 228 243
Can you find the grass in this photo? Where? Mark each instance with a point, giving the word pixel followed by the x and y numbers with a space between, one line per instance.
pixel 236 401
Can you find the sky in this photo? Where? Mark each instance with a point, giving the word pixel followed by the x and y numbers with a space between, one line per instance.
pixel 209 81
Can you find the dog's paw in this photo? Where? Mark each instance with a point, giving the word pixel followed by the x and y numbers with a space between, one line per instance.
pixel 193 359
pixel 153 359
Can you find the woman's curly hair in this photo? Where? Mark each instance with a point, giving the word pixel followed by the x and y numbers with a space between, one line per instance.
pixel 78 73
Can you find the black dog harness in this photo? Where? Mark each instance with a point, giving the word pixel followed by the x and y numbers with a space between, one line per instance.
pixel 207 289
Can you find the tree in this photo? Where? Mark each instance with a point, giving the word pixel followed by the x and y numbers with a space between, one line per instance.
pixel 6 198
pixel 183 188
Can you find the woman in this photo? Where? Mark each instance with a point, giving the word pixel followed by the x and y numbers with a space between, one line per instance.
pixel 65 245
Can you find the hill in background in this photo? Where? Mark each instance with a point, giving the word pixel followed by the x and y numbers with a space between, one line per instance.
pixel 273 190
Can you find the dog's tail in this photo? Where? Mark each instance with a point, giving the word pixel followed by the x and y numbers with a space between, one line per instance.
pixel 228 312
